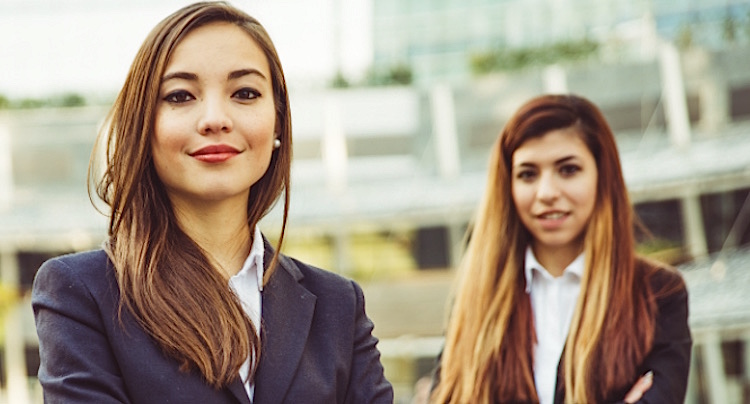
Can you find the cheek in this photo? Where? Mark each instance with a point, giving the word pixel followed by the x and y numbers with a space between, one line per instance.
pixel 586 198
pixel 160 148
pixel 521 197
pixel 259 131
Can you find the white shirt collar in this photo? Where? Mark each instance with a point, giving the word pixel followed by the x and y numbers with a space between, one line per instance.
pixel 531 263
pixel 254 260
pixel 248 285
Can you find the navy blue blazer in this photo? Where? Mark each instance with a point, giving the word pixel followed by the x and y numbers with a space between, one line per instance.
pixel 316 347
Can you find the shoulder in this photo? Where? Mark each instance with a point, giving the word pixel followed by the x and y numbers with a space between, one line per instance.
pixel 666 292
pixel 90 270
pixel 664 280
pixel 82 261
pixel 318 277
pixel 326 285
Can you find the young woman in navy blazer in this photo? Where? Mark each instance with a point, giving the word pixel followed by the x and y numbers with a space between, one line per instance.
pixel 553 305
pixel 187 302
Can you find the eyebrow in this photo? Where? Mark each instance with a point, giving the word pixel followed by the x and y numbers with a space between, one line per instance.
pixel 194 77
pixel 557 162
pixel 244 72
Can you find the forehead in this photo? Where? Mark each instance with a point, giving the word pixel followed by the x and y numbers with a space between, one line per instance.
pixel 552 146
pixel 218 45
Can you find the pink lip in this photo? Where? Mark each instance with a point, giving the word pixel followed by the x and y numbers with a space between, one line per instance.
pixel 215 153
pixel 552 223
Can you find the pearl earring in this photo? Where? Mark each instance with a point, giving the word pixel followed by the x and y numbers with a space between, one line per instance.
pixel 276 143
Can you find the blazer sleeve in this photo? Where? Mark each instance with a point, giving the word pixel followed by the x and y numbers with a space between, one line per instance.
pixel 367 383
pixel 669 358
pixel 77 363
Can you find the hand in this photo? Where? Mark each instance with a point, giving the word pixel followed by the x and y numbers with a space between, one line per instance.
pixel 640 387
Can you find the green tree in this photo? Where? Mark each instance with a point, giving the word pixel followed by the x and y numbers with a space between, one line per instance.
pixel 71 100
pixel 400 74
pixel 511 59
pixel 729 29
pixel 339 81
pixel 30 103
pixel 4 102
pixel 684 39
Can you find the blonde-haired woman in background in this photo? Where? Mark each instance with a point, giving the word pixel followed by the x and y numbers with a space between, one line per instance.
pixel 553 305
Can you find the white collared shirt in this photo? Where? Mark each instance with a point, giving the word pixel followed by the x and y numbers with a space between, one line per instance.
pixel 553 301
pixel 248 285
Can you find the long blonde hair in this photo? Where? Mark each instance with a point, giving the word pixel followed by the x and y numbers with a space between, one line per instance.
pixel 488 353
pixel 166 280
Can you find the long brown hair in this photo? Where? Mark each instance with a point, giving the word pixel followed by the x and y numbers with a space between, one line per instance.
pixel 166 280
pixel 488 354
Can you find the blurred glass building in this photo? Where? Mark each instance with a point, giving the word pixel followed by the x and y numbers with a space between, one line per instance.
pixel 438 39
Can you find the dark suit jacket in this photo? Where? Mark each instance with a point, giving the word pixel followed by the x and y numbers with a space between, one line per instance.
pixel 317 345
pixel 669 357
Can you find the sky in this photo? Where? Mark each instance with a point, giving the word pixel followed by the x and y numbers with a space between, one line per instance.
pixel 50 47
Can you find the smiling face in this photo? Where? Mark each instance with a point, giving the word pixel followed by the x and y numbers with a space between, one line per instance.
pixel 554 179
pixel 215 117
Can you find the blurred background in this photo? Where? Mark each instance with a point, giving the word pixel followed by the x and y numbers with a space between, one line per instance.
pixel 395 105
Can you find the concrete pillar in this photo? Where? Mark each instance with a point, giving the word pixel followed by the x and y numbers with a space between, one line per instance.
pixel 6 167
pixel 445 132
pixel 673 94
pixel 691 396
pixel 334 150
pixel 14 352
pixel 341 252
pixel 739 223
pixel 716 380
pixel 456 241
pixel 555 80
pixel 695 231
pixel 714 103
pixel 746 367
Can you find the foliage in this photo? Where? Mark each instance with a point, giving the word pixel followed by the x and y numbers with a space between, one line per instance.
pixel 511 59
pixel 8 299
pixel 70 100
pixel 684 39
pixel 729 29
pixel 398 75
pixel 339 81
pixel 65 100
pixel 666 251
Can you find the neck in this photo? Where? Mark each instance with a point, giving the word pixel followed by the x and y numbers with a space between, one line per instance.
pixel 220 229
pixel 556 259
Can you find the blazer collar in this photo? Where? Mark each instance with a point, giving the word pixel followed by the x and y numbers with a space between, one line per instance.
pixel 239 392
pixel 287 314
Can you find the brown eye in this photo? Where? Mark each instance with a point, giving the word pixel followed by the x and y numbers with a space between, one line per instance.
pixel 178 97
pixel 569 169
pixel 246 94
pixel 526 175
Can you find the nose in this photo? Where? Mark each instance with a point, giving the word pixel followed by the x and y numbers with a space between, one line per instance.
pixel 214 118
pixel 548 190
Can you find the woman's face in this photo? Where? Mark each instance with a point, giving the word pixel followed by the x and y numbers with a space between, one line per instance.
pixel 215 118
pixel 553 182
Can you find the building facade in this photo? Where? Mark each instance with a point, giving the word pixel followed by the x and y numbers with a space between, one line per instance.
pixel 437 39
pixel 385 181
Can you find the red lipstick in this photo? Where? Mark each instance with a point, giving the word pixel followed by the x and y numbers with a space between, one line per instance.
pixel 215 153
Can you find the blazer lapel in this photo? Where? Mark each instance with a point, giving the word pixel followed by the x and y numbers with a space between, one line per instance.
pixel 560 385
pixel 287 312
pixel 238 390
